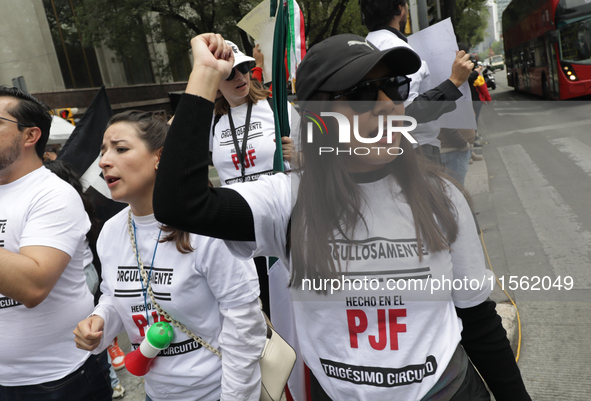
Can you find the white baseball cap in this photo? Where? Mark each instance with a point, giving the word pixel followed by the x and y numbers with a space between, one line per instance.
pixel 239 57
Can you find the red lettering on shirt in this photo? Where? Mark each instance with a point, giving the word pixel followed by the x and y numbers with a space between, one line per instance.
pixel 141 322
pixel 396 327
pixel 354 328
pixel 248 161
pixel 158 318
pixel 358 322
pixel 236 161
pixel 251 158
pixel 380 343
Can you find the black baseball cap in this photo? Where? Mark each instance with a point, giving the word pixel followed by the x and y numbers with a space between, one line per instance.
pixel 341 61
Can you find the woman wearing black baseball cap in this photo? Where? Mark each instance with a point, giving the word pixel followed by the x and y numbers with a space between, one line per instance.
pixel 383 249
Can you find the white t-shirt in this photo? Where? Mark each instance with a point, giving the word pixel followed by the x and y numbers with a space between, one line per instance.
pixel 376 344
pixel 194 288
pixel 260 145
pixel 426 133
pixel 37 345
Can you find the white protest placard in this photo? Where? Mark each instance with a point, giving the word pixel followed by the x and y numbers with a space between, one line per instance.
pixel 437 46
pixel 261 27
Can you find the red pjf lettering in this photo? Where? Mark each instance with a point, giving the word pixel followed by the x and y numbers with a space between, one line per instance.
pixel 141 322
pixel 396 327
pixel 382 340
pixel 250 159
pixel 235 160
pixel 354 328
pixel 158 318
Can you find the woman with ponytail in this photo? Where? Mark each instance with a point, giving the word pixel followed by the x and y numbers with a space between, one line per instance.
pixel 193 278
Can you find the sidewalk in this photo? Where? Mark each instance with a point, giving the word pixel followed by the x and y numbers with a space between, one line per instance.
pixel 134 386
pixel 477 185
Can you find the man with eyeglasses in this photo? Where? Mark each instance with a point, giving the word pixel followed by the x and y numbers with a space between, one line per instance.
pixel 43 291
pixel 385 19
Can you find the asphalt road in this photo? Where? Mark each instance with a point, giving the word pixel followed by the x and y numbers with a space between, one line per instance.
pixel 537 228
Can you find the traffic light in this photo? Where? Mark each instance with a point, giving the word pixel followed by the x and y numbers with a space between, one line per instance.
pixel 66 114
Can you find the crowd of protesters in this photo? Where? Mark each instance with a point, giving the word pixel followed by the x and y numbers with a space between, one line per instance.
pixel 201 253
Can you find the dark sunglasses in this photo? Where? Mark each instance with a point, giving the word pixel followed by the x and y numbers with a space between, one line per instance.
pixel 242 68
pixel 363 95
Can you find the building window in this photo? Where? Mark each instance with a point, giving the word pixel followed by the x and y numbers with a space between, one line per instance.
pixel 78 64
pixel 138 69
pixel 178 53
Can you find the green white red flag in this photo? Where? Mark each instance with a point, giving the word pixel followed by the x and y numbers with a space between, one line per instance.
pixel 296 38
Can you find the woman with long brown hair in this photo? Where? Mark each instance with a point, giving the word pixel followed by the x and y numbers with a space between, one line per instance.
pixel 383 249
pixel 194 279
pixel 242 140
pixel 243 130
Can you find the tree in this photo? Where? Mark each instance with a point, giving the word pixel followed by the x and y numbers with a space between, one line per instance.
pixel 129 27
pixel 331 17
pixel 469 19
pixel 497 47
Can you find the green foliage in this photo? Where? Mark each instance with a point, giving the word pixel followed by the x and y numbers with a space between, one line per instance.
pixel 124 25
pixel 331 17
pixel 498 48
pixel 471 20
pixel 131 27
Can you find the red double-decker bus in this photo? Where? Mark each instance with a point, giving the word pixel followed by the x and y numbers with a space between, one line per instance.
pixel 548 47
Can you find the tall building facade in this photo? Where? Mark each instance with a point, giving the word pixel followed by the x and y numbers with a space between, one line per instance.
pixel 492 33
pixel 41 45
pixel 26 48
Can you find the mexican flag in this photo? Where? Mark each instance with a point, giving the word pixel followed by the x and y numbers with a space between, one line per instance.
pixel 289 45
pixel 296 38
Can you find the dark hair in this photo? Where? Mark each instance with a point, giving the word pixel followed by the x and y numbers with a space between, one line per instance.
pixel 331 201
pixel 152 128
pixel 29 112
pixel 256 92
pixel 375 13
pixel 65 171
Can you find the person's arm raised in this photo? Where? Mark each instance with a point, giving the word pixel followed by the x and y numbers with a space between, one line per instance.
pixel 446 93
pixel 182 197
pixel 213 60
pixel 461 68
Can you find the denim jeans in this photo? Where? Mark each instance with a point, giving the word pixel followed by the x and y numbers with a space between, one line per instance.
pixel 90 382
pixel 112 374
pixel 456 163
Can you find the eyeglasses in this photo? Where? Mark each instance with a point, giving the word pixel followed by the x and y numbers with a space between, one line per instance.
pixel 243 68
pixel 16 122
pixel 363 95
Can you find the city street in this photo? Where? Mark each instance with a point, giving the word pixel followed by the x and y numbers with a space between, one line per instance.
pixel 531 194
pixel 537 226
